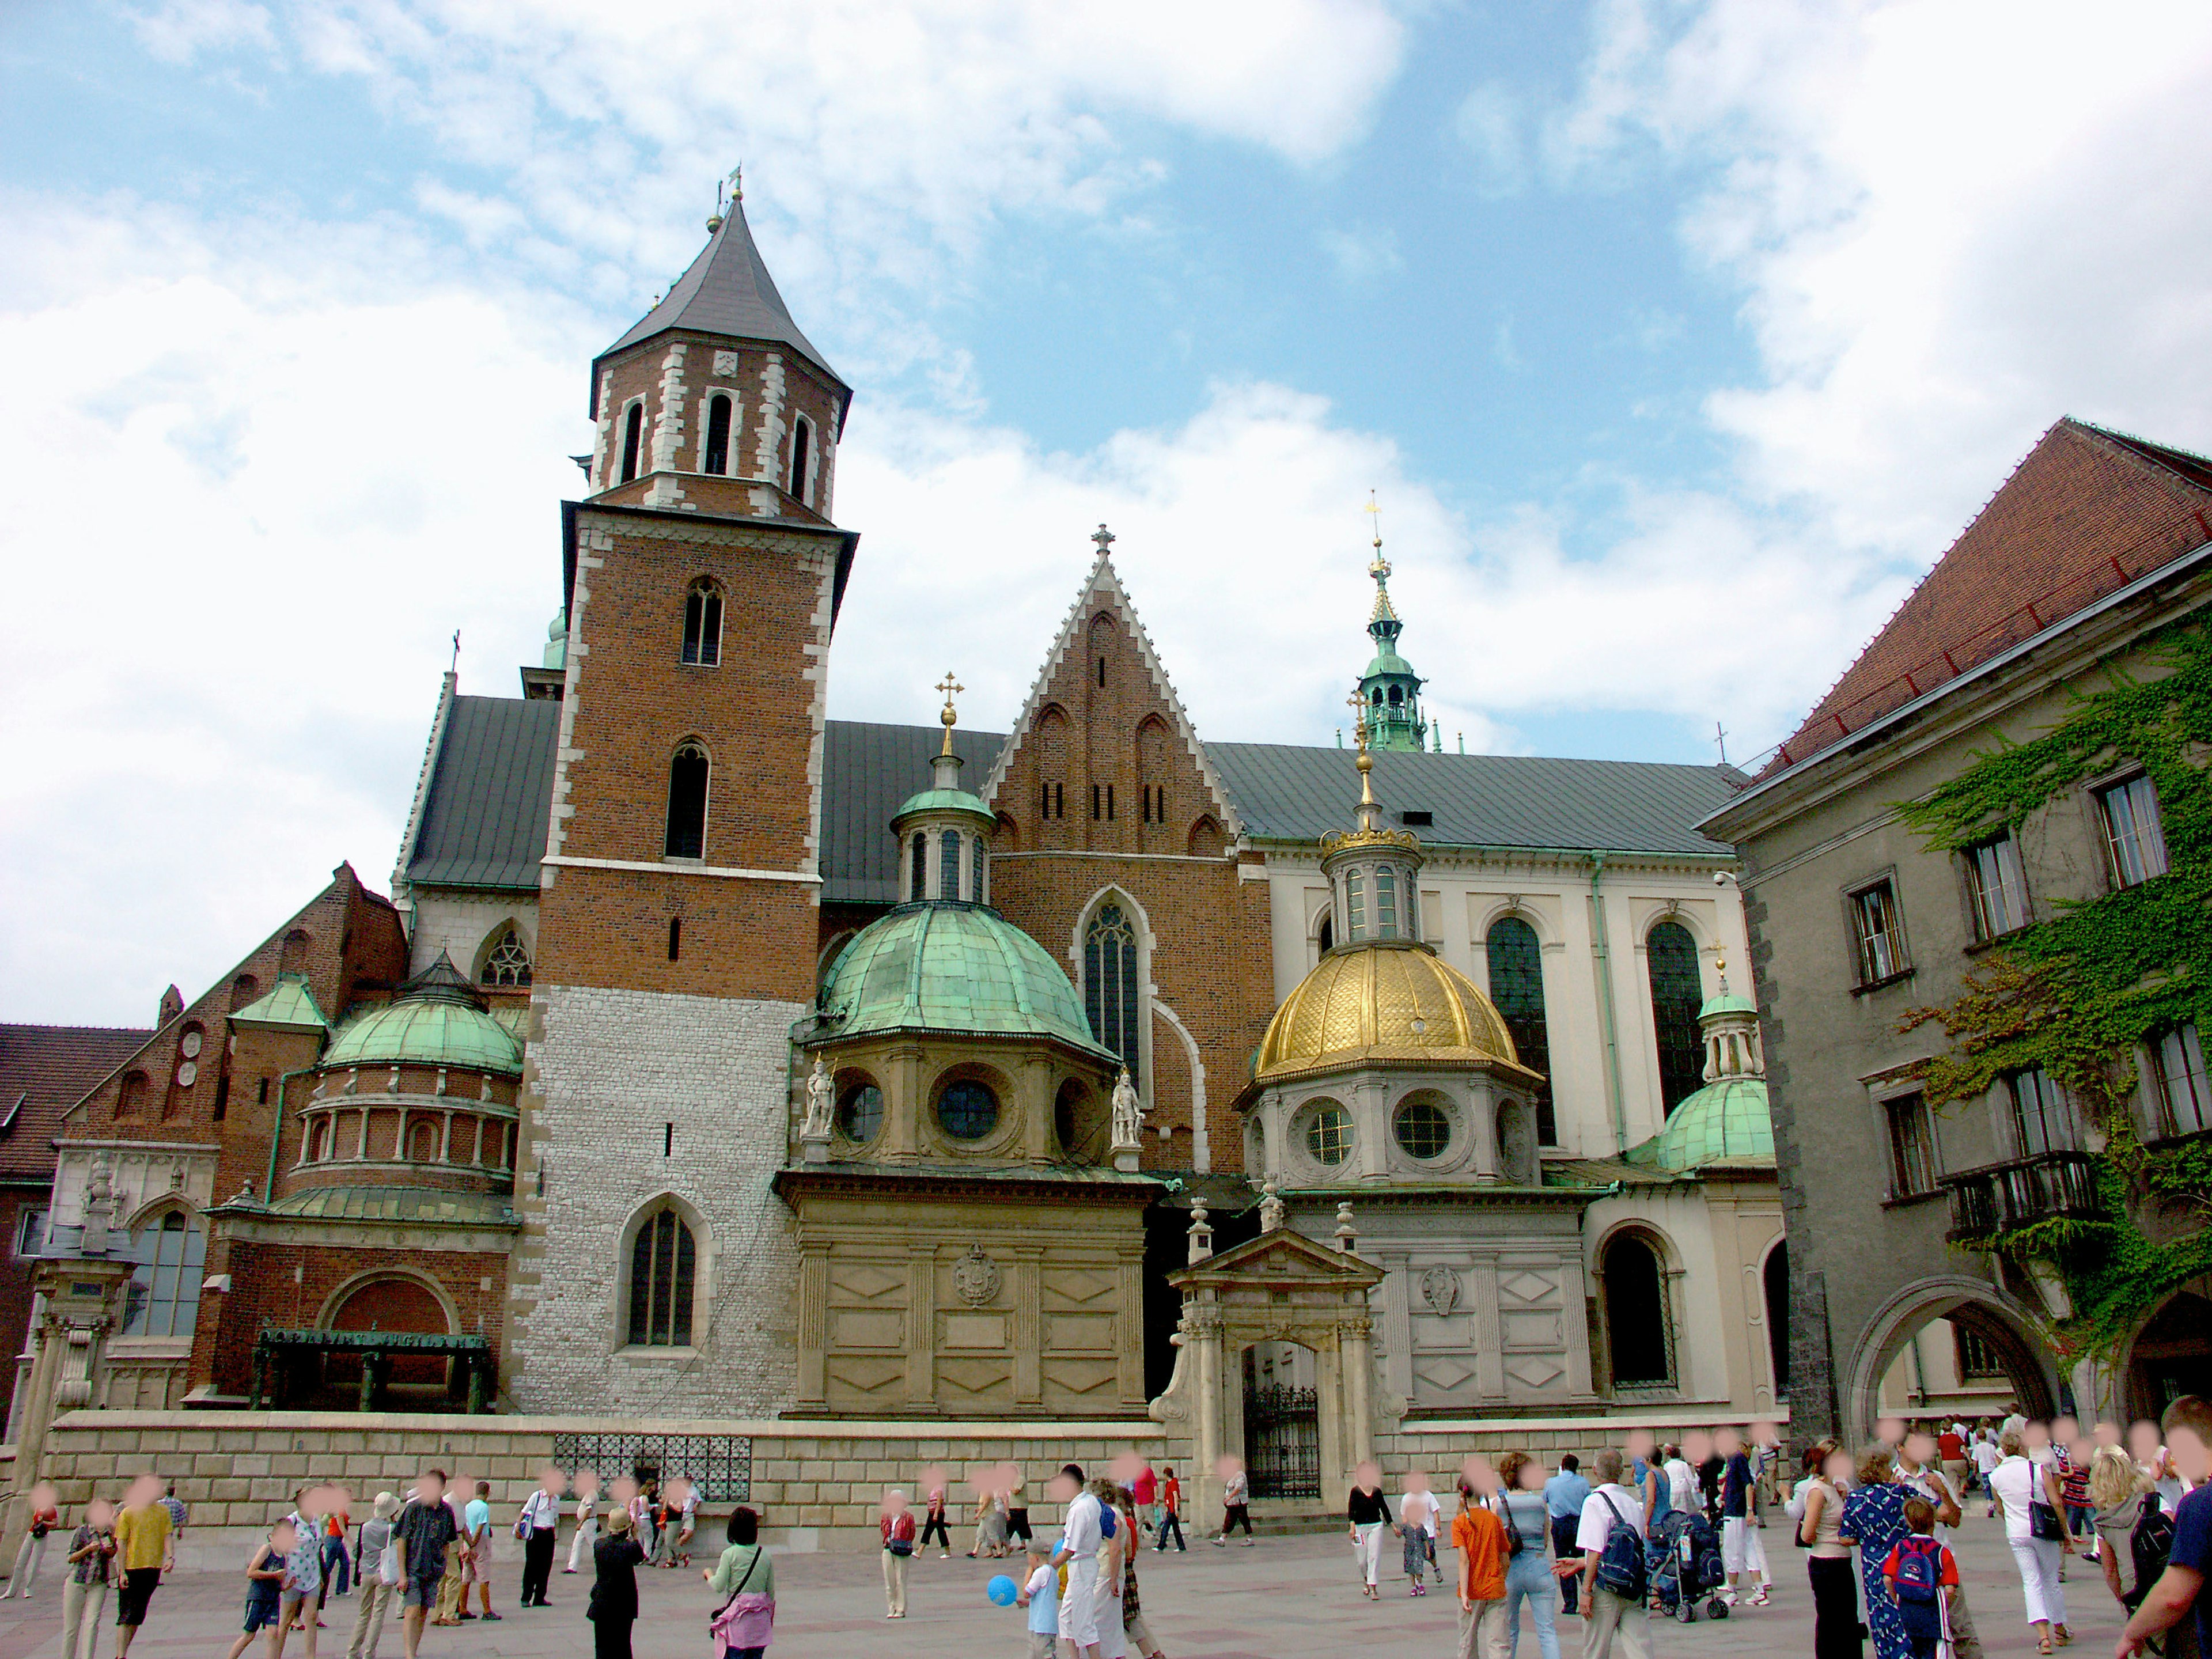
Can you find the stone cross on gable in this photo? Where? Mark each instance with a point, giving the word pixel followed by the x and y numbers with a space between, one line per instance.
pixel 1103 537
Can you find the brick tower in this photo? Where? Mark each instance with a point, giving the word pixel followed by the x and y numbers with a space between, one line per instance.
pixel 680 894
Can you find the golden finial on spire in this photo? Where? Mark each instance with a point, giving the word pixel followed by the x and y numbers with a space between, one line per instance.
pixel 950 687
pixel 1365 761
pixel 1379 568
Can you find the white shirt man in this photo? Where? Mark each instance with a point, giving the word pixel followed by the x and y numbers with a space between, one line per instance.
pixel 1078 1547
pixel 1617 1622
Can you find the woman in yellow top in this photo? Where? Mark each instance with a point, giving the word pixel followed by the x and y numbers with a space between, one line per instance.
pixel 145 1551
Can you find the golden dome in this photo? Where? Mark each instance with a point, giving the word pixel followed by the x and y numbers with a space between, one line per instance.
pixel 1380 1003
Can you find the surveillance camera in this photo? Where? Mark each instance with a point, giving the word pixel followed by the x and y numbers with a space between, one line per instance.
pixel 1720 878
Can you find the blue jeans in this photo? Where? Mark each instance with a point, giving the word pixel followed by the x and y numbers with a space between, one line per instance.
pixel 335 1564
pixel 1529 1577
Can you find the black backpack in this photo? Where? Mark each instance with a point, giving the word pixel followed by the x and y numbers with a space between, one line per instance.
pixel 2150 1544
pixel 1620 1565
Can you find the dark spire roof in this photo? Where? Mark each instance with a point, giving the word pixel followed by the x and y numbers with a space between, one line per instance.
pixel 728 290
pixel 441 982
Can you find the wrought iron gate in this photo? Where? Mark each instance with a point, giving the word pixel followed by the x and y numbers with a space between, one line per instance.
pixel 1282 1442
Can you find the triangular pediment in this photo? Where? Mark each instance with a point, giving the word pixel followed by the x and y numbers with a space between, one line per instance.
pixel 1282 1259
pixel 1101 591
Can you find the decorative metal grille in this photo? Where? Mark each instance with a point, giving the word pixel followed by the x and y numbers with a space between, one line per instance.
pixel 1282 1442
pixel 719 1465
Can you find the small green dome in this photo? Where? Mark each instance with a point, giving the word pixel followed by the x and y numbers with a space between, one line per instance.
pixel 438 1019
pixel 943 801
pixel 951 967
pixel 1723 1122
pixel 1727 1002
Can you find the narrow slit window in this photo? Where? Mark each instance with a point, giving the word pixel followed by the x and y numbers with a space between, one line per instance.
pixel 916 886
pixel 633 440
pixel 675 938
pixel 948 864
pixel 802 445
pixel 717 459
pixel 1355 907
pixel 1386 903
pixel 975 888
pixel 1110 802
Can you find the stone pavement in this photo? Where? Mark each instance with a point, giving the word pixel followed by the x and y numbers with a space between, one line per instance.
pixel 1292 1598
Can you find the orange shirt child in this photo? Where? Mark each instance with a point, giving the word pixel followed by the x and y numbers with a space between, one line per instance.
pixel 1479 1537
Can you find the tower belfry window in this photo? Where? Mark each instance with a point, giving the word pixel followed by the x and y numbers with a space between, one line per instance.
pixel 633 440
pixel 702 625
pixel 687 803
pixel 802 445
pixel 717 457
pixel 917 884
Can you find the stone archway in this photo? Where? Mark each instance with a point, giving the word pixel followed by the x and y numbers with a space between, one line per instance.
pixel 2171 1356
pixel 2012 1330
pixel 1280 1287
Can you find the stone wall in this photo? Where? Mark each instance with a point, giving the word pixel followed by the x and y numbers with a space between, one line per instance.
pixel 816 1486
pixel 645 1096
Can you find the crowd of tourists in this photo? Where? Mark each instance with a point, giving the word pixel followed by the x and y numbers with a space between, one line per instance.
pixel 1636 1532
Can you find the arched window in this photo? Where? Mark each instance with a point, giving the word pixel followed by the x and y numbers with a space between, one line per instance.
pixel 1517 989
pixel 422 1143
pixel 508 962
pixel 243 990
pixel 1109 984
pixel 1397 696
pixel 164 1295
pixel 1677 993
pixel 948 866
pixel 1327 936
pixel 702 625
pixel 860 1112
pixel 1636 1323
pixel 663 1268
pixel 1777 1278
pixel 802 456
pixel 1386 903
pixel 293 958
pixel 687 803
pixel 633 440
pixel 130 1097
pixel 717 457
pixel 918 884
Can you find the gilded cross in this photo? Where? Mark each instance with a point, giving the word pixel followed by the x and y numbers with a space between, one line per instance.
pixel 1103 536
pixel 950 686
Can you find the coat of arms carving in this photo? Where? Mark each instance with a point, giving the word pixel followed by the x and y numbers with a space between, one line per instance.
pixel 1440 1290
pixel 975 1276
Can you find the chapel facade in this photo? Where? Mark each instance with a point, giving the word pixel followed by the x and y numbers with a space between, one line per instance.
pixel 713 1059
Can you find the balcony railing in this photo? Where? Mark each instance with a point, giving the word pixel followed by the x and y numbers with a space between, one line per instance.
pixel 2002 1198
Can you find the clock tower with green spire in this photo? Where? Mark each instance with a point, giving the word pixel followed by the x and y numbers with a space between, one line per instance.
pixel 1391 690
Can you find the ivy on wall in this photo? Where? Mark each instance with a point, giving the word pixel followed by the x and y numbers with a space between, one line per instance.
pixel 2075 993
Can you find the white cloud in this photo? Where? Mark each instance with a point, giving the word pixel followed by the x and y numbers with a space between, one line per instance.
pixel 1953 223
pixel 1490 121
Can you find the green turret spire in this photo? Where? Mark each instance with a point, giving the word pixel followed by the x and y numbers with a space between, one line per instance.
pixel 1390 688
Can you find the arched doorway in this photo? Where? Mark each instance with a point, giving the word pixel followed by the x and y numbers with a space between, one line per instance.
pixel 1947 1345
pixel 2171 1356
pixel 1282 1421
pixel 404 1305
pixel 1639 1343
pixel 1777 1287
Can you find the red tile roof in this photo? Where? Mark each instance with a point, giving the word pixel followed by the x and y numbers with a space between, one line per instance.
pixel 2087 512
pixel 44 1070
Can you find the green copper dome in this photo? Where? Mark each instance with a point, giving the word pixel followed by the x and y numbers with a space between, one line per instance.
pixel 943 801
pixel 1724 1122
pixel 438 1019
pixel 1727 1002
pixel 951 967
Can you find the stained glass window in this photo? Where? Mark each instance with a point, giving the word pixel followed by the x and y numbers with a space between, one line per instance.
pixel 1517 990
pixel 663 1264
pixel 1677 993
pixel 1109 984
pixel 163 1297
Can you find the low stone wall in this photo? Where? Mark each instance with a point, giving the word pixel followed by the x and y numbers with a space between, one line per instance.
pixel 816 1485
pixel 1437 1448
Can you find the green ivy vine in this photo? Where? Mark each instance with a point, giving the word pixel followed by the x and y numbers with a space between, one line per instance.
pixel 2075 993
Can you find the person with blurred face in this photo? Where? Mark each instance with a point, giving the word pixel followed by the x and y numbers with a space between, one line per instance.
pixel 1828 1557
pixel 1367 1512
pixel 379 1579
pixel 539 1524
pixel 613 1607
pixel 897 1525
pixel 1744 1553
pixel 142 1541
pixel 2178 1592
pixel 31 1553
pixel 2019 1484
pixel 1081 1536
pixel 85 1580
pixel 1920 1470
pixel 588 1523
pixel 423 1529
pixel 265 1581
pixel 1614 1623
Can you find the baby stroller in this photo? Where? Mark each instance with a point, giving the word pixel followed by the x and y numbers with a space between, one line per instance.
pixel 1683 1556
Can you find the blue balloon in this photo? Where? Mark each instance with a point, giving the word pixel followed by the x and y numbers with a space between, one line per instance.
pixel 1001 1591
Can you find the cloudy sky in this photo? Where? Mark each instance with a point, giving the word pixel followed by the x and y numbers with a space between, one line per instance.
pixel 1677 339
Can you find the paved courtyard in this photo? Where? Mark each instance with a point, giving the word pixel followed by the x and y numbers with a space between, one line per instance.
pixel 1287 1599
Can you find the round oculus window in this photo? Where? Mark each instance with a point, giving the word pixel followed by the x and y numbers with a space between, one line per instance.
pixel 860 1112
pixel 1328 1136
pixel 190 1048
pixel 968 1110
pixel 1422 1128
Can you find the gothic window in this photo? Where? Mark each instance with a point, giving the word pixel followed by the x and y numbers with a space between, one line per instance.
pixel 293 957
pixel 687 803
pixel 968 1110
pixel 163 1297
pixel 717 457
pixel 918 882
pixel 1109 984
pixel 663 1268
pixel 1517 990
pixel 508 962
pixel 948 864
pixel 802 447
pixel 1677 993
pixel 1636 1322
pixel 1205 840
pixel 243 990
pixel 702 625
pixel 633 440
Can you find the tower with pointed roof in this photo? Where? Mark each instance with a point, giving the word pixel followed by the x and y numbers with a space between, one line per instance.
pixel 1389 689
pixel 679 907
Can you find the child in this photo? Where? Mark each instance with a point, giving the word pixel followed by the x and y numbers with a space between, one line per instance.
pixel 1416 1510
pixel 1923 1577
pixel 1040 1595
pixel 264 1575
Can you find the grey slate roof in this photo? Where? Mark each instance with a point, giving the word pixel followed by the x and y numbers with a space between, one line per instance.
pixel 728 290
pixel 491 796
pixel 867 770
pixel 1285 792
